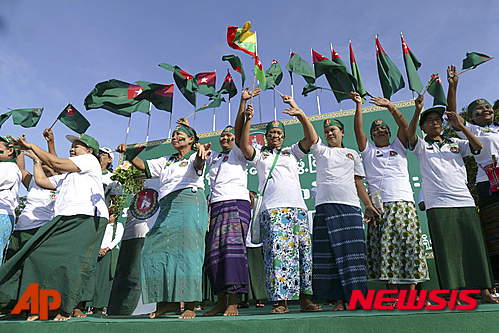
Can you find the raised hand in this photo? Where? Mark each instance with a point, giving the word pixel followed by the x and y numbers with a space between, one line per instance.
pixel 356 97
pixel 183 121
pixel 380 101
pixel 246 94
pixel 22 143
pixel 452 76
pixel 48 135
pixel 249 112
pixel 419 102
pixel 454 119
pixel 31 155
pixel 121 148
pixel 294 112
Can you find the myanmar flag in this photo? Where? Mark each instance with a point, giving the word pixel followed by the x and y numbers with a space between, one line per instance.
pixel 474 59
pixel 73 119
pixel 236 64
pixel 389 76
pixel 4 117
pixel 260 75
pixel 160 95
pixel 228 87
pixel 412 65
pixel 26 117
pixel 359 87
pixel 242 39
pixel 183 81
pixel 204 83
pixel 436 90
pixel 116 96
pixel 299 66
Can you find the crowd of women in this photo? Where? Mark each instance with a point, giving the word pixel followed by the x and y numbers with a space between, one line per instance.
pixel 328 266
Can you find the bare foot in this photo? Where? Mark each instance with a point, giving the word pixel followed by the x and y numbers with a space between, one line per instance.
pixel 187 314
pixel 164 308
pixel 340 306
pixel 231 310
pixel 62 317
pixel 77 313
pixel 486 298
pixel 279 310
pixel 32 318
pixel 219 308
pixel 306 305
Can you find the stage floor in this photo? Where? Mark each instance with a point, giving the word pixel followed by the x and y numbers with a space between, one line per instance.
pixel 484 318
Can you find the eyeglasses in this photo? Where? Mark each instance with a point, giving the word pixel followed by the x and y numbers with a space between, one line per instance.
pixel 432 120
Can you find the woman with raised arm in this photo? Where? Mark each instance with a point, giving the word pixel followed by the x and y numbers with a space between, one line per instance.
pixel 395 252
pixel 172 256
pixel 10 181
pixel 456 235
pixel 283 214
pixel 226 262
pixel 63 252
pixel 484 127
pixel 339 249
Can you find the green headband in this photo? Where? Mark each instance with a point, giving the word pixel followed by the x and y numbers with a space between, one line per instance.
pixel 185 129
pixel 228 129
pixel 274 124
pixel 476 103
pixel 376 123
pixel 333 122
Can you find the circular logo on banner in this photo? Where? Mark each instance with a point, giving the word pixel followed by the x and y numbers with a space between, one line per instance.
pixel 144 204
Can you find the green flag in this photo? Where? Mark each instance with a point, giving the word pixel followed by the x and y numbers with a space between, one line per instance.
pixel 237 65
pixel 389 76
pixel 204 83
pixel 26 117
pixel 309 88
pixel 436 90
pixel 117 97
pixel 359 87
pixel 217 101
pixel 273 76
pixel 73 119
pixel 299 66
pixel 4 117
pixel 474 59
pixel 344 80
pixel 183 81
pixel 412 65
pixel 337 75
pixel 228 87
pixel 260 75
pixel 160 95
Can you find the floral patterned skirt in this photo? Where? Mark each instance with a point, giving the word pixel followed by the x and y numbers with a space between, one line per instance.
pixel 287 253
pixel 395 251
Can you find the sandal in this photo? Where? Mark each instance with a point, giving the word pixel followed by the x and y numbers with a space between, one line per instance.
pixel 243 305
pixel 279 310
pixel 260 305
pixel 311 308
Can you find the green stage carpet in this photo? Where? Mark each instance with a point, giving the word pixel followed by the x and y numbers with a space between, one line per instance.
pixel 483 319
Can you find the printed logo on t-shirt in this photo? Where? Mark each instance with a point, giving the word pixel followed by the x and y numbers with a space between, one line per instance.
pixel 52 195
pixel 485 130
pixel 350 156
pixel 378 153
pixel 265 154
pixel 169 163
pixel 393 153
pixel 225 158
pixel 184 163
pixel 285 153
pixel 455 150
pixel 429 147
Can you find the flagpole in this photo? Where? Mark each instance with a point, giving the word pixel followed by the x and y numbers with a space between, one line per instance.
pixel 229 112
pixel 214 109
pixel 472 67
pixel 275 109
pixel 340 105
pixel 291 75
pixel 128 128
pixel 56 119
pixel 148 123
pixel 260 108
pixel 170 127
pixel 195 97
pixel 27 131
pixel 318 102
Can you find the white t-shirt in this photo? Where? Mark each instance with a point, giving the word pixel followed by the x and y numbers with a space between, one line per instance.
pixel 10 180
pixel 283 189
pixel 443 173
pixel 489 137
pixel 174 175
pixel 336 171
pixel 135 228
pixel 111 187
pixel 108 240
pixel 39 207
pixel 80 192
pixel 386 167
pixel 227 174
